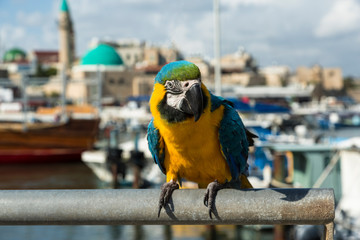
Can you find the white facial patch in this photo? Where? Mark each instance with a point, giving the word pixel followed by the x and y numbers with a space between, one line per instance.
pixel 174 100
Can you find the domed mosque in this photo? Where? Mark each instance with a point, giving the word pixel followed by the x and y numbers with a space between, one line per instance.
pixel 102 55
pixel 105 63
pixel 14 63
pixel 14 55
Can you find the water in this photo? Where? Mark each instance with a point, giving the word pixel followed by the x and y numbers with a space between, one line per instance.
pixel 80 232
pixel 79 176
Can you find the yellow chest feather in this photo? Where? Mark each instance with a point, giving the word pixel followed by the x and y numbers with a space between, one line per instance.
pixel 192 149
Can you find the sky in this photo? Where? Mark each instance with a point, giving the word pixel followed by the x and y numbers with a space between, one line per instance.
pixel 275 32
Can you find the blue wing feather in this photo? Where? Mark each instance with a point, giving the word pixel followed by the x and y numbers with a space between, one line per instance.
pixel 156 145
pixel 232 136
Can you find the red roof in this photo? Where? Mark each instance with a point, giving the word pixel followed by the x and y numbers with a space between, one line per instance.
pixel 150 69
pixel 47 56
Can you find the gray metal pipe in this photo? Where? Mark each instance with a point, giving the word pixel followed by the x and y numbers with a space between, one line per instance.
pixel 103 207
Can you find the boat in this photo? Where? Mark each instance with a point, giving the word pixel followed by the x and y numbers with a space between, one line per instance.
pixel 63 140
pixel 96 160
pixel 10 156
pixel 73 134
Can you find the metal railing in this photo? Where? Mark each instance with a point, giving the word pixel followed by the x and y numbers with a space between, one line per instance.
pixel 138 207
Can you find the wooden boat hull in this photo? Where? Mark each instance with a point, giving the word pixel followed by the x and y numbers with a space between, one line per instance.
pixel 46 142
pixel 39 155
pixel 75 134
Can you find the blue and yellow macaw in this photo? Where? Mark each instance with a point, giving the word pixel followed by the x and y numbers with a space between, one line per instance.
pixel 195 135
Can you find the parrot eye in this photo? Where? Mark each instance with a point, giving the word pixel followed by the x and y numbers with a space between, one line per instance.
pixel 173 87
pixel 169 85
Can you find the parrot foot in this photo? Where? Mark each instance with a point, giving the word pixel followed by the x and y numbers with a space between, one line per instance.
pixel 210 195
pixel 166 193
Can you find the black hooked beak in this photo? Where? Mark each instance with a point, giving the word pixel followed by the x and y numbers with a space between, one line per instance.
pixel 193 102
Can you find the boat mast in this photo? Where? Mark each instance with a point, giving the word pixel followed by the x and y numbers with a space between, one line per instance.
pixel 63 92
pixel 99 87
pixel 217 47
pixel 24 82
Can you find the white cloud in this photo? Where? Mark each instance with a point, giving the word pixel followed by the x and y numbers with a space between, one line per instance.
pixel 259 47
pixel 181 36
pixel 139 1
pixel 343 17
pixel 234 4
pixel 15 36
pixel 10 33
pixel 30 19
pixel 307 52
pixel 85 7
pixel 18 33
pixel 50 35
pixel 193 34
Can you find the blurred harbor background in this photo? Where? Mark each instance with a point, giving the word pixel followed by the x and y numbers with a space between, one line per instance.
pixel 75 85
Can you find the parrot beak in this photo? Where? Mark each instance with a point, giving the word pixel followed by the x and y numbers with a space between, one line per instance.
pixel 193 101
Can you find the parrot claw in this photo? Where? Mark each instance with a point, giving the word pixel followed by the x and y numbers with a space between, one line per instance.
pixel 166 193
pixel 210 195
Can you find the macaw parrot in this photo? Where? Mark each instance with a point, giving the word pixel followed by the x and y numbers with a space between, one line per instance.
pixel 195 135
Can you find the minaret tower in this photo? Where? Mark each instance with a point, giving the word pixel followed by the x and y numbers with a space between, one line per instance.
pixel 67 38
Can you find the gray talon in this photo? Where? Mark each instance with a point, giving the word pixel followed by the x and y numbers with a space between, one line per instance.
pixel 166 192
pixel 210 195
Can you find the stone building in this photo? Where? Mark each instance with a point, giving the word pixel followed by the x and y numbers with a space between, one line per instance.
pixel 332 79
pixel 328 78
pixel 131 51
pixel 236 62
pixel 45 58
pixel 158 56
pixel 240 68
pixel 242 78
pixel 276 76
pixel 16 63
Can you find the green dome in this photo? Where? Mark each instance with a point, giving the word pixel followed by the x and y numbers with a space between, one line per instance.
pixel 102 55
pixel 14 55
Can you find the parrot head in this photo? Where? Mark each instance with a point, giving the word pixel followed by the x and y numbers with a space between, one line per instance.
pixel 183 96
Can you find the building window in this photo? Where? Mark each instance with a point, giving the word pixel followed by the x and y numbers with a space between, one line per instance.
pixel 111 81
pixel 121 81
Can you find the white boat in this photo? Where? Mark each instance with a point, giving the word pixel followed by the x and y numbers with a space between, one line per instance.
pixel 96 160
pixel 347 217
